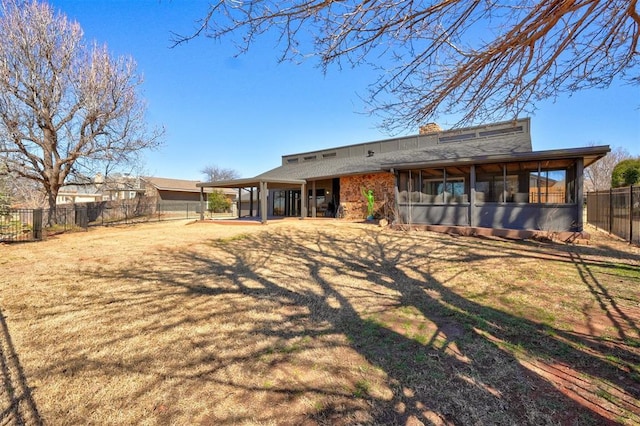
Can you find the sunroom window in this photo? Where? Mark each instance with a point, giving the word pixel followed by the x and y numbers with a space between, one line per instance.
pixel 526 182
pixel 433 186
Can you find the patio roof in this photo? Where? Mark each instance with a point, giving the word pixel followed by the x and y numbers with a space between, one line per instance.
pixel 252 182
pixel 263 184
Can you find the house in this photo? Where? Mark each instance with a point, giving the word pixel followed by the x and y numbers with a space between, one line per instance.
pixel 162 191
pixel 484 176
pixel 178 192
pixel 112 188
pixel 76 193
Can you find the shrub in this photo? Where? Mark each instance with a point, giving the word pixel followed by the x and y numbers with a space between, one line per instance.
pixel 625 173
pixel 218 202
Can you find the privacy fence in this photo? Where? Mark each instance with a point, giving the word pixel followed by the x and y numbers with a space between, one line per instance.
pixel 616 211
pixel 33 224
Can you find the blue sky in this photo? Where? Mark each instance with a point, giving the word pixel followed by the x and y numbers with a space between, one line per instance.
pixel 244 113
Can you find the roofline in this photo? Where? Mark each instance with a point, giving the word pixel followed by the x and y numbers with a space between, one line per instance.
pixel 156 186
pixel 244 183
pixel 415 135
pixel 599 151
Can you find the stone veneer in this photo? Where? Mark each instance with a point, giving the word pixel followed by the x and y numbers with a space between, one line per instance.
pixel 353 203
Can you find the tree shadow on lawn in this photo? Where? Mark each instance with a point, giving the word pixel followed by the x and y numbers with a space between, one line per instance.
pixel 17 406
pixel 431 354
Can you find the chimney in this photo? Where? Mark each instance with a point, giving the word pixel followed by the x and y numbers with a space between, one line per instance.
pixel 430 128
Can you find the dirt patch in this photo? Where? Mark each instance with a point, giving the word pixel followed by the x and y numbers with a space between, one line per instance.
pixel 317 322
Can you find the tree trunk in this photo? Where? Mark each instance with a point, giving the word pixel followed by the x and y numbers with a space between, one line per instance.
pixel 52 194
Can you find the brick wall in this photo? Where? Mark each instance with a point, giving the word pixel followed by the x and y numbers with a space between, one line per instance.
pixel 353 203
pixel 430 128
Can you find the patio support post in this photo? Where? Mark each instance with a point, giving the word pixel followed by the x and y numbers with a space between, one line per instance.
pixel 263 202
pixel 201 203
pixel 303 201
pixel 579 192
pixel 472 196
pixel 314 200
pixel 239 203
pixel 251 201
pixel 258 188
pixel 538 182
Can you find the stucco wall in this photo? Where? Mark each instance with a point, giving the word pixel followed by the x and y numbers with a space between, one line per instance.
pixel 353 203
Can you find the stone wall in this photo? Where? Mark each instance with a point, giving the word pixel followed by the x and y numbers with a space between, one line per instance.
pixel 354 205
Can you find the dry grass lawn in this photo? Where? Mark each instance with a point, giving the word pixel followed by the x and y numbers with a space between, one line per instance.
pixel 316 322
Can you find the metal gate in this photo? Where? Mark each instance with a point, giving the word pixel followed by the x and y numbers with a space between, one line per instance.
pixel 18 225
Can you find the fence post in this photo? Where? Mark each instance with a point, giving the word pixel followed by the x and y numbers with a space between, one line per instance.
pixel 37 224
pixel 610 210
pixel 630 214
pixel 597 209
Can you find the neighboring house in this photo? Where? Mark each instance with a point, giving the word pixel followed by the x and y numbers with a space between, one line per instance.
pixel 179 191
pixel 117 187
pixel 482 176
pixel 120 187
pixel 164 191
pixel 78 193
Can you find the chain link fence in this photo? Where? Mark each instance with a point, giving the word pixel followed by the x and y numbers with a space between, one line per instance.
pixel 616 211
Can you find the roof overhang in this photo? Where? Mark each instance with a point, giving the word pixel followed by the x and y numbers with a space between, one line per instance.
pixel 252 182
pixel 589 155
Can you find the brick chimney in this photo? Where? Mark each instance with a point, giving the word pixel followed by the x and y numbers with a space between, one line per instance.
pixel 430 128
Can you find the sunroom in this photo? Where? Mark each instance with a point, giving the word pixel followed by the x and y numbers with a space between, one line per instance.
pixel 525 191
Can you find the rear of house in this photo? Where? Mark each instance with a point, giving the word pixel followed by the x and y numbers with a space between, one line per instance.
pixel 483 176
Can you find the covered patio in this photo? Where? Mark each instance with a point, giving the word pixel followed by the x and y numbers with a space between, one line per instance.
pixel 262 186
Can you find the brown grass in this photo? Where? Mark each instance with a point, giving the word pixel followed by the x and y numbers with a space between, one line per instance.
pixel 316 322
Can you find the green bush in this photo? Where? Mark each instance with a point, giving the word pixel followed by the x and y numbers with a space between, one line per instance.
pixel 218 202
pixel 625 173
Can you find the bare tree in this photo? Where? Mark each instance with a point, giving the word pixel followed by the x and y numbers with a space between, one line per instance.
pixel 597 176
pixel 478 58
pixel 215 173
pixel 5 196
pixel 65 107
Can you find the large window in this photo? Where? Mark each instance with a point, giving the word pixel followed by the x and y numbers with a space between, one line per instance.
pixel 550 186
pixel 279 203
pixel 526 182
pixel 499 185
pixel 433 186
pixel 552 182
